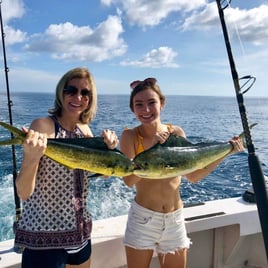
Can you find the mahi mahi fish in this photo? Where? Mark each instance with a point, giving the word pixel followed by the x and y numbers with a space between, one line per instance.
pixel 178 156
pixel 89 154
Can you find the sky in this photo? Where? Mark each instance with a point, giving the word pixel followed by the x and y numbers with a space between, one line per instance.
pixel 179 42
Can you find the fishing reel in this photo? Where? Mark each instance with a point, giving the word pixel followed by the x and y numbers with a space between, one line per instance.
pixel 250 80
pixel 225 3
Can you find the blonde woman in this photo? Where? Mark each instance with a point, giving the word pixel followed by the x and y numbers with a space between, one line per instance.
pixel 55 226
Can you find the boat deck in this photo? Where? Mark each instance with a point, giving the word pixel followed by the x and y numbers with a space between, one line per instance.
pixel 225 233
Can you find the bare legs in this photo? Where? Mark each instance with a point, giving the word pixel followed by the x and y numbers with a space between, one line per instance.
pixel 142 258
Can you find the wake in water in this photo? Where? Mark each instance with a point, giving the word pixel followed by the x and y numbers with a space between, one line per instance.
pixel 7 212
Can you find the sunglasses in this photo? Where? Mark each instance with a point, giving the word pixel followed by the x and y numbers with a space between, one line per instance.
pixel 146 82
pixel 71 90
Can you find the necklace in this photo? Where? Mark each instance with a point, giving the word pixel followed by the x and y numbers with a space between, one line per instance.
pixel 66 126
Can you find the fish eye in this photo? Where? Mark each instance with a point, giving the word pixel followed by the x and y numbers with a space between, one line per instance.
pixel 146 164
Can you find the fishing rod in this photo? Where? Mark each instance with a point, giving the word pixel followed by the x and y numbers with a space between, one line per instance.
pixel 256 172
pixel 10 104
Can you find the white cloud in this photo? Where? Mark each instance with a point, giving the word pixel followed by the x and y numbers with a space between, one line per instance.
pixel 106 2
pixel 251 25
pixel 12 9
pixel 68 42
pixel 202 19
pixel 163 57
pixel 13 36
pixel 151 13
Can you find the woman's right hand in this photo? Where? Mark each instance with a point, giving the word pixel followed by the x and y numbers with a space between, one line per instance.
pixel 161 137
pixel 35 144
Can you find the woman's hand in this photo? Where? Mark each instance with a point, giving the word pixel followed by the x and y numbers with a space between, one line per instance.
pixel 34 147
pixel 161 137
pixel 110 138
pixel 237 144
pixel 35 144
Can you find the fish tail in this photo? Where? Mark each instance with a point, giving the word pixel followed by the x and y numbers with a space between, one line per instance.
pixel 242 135
pixel 19 135
pixel 11 142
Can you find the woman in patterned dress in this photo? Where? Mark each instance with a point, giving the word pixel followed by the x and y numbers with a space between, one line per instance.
pixel 55 226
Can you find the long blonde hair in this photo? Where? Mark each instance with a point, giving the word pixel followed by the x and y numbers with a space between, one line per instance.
pixel 80 72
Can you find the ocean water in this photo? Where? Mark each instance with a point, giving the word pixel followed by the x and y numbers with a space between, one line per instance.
pixel 202 118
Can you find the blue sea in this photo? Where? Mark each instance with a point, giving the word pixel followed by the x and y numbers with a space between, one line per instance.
pixel 202 118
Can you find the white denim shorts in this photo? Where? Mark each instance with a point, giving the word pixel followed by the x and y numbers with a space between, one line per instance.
pixel 162 232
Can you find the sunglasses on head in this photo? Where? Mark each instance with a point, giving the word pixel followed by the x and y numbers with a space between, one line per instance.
pixel 147 81
pixel 71 90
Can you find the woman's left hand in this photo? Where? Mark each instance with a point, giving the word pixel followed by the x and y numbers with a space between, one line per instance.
pixel 237 145
pixel 110 138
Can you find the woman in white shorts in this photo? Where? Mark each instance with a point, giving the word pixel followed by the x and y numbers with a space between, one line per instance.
pixel 156 221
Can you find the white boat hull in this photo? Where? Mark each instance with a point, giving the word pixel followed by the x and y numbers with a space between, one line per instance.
pixel 225 234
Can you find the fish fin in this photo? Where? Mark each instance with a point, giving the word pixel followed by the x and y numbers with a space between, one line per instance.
pixel 172 141
pixel 92 142
pixel 242 134
pixel 11 141
pixel 176 141
pixel 13 130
